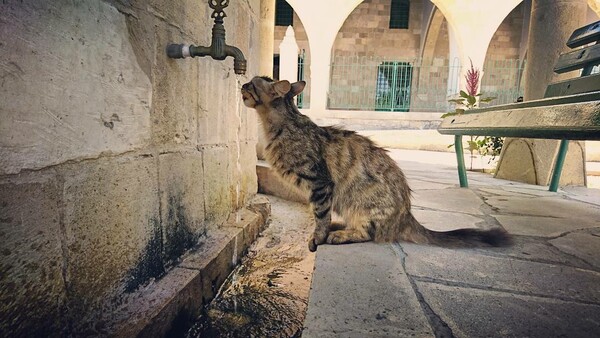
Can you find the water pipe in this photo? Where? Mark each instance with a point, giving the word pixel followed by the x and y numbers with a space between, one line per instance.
pixel 218 49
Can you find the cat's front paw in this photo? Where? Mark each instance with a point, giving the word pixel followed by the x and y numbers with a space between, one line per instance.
pixel 312 246
pixel 315 240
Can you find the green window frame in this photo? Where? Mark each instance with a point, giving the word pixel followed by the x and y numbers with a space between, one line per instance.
pixel 399 13
pixel 284 14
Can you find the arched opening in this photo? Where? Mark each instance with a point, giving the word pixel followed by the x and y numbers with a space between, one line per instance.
pixel 505 58
pixel 374 56
pixel 285 16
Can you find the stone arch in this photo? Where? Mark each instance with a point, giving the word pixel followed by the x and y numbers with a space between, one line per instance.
pixel 304 51
pixel 321 31
pixel 504 59
pixel 435 36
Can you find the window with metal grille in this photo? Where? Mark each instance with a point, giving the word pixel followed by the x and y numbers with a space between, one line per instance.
pixel 392 92
pixel 399 14
pixel 284 14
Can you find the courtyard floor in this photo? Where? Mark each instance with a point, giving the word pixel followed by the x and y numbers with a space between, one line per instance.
pixel 545 285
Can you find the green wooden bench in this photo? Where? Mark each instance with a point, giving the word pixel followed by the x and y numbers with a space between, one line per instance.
pixel 570 109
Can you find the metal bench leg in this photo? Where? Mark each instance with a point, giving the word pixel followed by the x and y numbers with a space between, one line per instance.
pixel 460 161
pixel 558 165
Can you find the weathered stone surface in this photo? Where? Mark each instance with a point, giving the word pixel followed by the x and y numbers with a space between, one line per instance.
pixel 463 200
pixel 469 267
pixel 217 185
pixel 182 201
pixel 72 89
pixel 153 311
pixel 539 225
pixel 521 170
pixel 270 183
pixel 113 235
pixel 584 215
pixel 175 102
pixel 355 312
pixel 445 221
pixel 480 313
pixel 242 170
pixel 32 288
pixel 215 259
pixel 584 246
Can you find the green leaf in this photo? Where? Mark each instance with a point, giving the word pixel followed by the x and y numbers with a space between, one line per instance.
pixel 487 99
pixel 464 94
pixel 451 145
pixel 471 100
pixel 472 145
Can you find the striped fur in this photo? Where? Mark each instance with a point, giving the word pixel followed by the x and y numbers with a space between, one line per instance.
pixel 345 173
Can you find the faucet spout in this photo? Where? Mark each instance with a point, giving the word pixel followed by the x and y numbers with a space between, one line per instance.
pixel 239 61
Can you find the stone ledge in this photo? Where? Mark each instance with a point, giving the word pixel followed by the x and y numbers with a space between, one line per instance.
pixel 271 184
pixel 167 305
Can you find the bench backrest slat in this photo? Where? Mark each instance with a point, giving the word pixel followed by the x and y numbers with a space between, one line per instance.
pixel 585 35
pixel 578 59
pixel 576 85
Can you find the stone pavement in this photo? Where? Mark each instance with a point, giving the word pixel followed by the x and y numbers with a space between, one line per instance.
pixel 545 285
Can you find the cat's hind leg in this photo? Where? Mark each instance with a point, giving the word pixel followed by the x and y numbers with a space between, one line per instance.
pixel 359 229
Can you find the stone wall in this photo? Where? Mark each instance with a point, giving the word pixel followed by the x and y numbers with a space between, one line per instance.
pixel 366 32
pixel 114 159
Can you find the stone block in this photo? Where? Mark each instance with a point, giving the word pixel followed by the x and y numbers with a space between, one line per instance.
pixel 217 185
pixel 164 310
pixel 215 259
pixel 113 234
pixel 175 99
pixel 32 287
pixel 242 170
pixel 272 184
pixel 190 16
pixel 182 201
pixel 76 89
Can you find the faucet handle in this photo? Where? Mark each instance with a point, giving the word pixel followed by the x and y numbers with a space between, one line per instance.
pixel 218 6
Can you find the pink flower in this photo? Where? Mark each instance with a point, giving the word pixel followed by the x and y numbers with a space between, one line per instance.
pixel 472 78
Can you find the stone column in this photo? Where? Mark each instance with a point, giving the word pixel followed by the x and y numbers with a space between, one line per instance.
pixel 267 36
pixel 529 160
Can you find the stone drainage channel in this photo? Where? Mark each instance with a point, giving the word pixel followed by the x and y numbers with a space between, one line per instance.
pixel 267 294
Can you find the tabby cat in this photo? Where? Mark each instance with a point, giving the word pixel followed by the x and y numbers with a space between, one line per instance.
pixel 345 173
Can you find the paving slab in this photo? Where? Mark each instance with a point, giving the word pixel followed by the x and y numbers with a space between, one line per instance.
pixel 480 313
pixel 544 285
pixel 454 200
pixel 467 267
pixel 539 225
pixel 581 245
pixel 361 290
pixel 445 221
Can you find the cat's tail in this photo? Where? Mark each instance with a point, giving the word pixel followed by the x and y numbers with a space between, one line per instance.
pixel 414 232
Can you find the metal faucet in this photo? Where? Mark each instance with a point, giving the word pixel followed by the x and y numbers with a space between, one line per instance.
pixel 218 49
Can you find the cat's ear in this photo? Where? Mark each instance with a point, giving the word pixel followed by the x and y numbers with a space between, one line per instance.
pixel 297 87
pixel 282 87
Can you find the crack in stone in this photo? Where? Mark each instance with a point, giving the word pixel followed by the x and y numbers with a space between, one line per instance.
pixel 425 279
pixel 439 327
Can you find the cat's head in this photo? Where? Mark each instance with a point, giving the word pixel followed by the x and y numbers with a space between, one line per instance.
pixel 262 91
